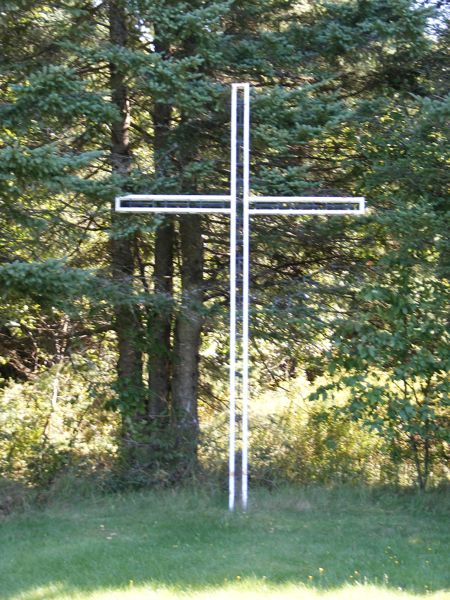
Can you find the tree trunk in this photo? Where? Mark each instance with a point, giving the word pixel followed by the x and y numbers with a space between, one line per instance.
pixel 188 328
pixel 160 320
pixel 160 325
pixel 126 321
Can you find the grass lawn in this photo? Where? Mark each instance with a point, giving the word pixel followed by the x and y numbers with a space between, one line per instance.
pixel 308 544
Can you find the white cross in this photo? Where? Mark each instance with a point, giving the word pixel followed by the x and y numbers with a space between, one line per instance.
pixel 240 205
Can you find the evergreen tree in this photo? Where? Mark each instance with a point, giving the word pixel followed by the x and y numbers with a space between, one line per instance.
pixel 102 98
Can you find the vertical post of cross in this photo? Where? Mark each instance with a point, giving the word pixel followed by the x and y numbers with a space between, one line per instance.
pixel 239 271
pixel 232 380
pixel 245 290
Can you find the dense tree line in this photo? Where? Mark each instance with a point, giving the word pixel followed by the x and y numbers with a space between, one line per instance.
pixel 103 97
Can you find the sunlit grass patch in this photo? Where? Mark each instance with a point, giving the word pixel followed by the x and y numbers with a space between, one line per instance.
pixel 250 590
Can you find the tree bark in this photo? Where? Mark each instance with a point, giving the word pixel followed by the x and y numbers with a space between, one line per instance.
pixel 160 324
pixel 160 320
pixel 126 321
pixel 188 329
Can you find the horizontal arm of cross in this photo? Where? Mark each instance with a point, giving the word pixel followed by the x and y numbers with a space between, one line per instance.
pixel 257 205
pixel 305 205
pixel 174 203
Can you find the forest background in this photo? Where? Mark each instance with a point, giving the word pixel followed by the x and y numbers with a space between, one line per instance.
pixel 113 329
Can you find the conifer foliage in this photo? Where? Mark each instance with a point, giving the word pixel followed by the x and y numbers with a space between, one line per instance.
pixel 105 97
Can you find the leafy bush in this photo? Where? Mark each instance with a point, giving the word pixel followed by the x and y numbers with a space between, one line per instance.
pixel 55 422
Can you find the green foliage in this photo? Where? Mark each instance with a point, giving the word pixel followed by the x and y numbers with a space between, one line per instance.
pixel 58 423
pixel 394 352
pixel 351 97
pixel 49 281
pixel 304 444
pixel 312 447
pixel 394 356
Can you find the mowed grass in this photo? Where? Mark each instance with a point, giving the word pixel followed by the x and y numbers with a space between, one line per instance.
pixel 309 544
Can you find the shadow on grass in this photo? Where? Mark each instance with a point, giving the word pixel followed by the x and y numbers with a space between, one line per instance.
pixel 171 542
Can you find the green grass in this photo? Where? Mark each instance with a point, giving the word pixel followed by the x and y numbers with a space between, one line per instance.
pixel 307 544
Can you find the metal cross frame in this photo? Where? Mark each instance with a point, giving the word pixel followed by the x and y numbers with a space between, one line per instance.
pixel 240 205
